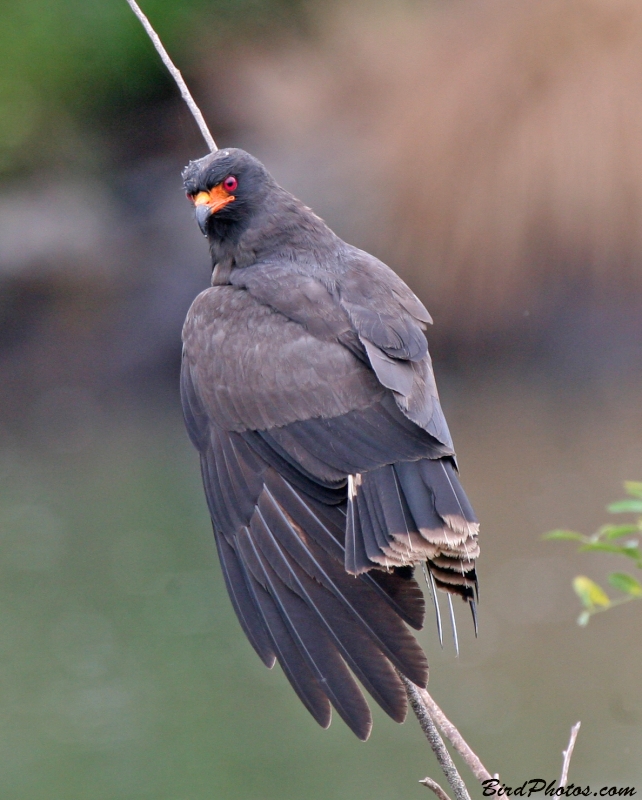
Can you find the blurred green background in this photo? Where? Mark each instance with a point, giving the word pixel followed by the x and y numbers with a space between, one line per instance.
pixel 489 152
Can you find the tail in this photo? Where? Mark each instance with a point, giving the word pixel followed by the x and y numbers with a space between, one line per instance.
pixel 414 512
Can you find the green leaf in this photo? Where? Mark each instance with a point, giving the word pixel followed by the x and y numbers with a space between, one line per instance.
pixel 583 618
pixel 625 507
pixel 634 488
pixel 590 593
pixel 561 534
pixel 620 550
pixel 626 583
pixel 615 531
pixel 632 550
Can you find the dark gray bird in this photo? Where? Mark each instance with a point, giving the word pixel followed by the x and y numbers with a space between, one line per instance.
pixel 328 467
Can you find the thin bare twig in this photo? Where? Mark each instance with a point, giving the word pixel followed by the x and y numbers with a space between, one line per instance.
pixel 175 73
pixel 454 737
pixel 566 754
pixel 435 787
pixel 435 741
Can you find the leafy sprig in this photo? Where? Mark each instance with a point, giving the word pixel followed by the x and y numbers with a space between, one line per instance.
pixel 610 539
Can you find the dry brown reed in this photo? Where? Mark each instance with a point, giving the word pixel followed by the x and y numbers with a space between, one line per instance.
pixel 500 143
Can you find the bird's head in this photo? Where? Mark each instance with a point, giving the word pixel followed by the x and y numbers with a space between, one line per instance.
pixel 225 187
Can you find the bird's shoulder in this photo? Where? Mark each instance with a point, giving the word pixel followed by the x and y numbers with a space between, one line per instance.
pixel 381 307
pixel 390 321
pixel 366 276
pixel 339 292
pixel 254 368
pixel 301 290
pixel 215 309
pixel 343 295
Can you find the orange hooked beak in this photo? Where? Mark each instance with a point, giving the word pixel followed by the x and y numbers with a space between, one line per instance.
pixel 208 203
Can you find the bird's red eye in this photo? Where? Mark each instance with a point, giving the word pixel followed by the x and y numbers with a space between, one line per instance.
pixel 230 183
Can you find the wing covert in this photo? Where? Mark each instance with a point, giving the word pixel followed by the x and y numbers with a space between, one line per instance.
pixel 255 369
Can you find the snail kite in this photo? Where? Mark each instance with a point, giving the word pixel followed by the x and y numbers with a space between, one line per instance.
pixel 328 467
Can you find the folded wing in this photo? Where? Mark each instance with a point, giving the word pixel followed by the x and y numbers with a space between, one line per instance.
pixel 323 494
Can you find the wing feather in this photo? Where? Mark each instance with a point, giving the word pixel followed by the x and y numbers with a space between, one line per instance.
pixel 297 670
pixel 328 472
pixel 381 623
pixel 361 654
pixel 245 606
pixel 312 642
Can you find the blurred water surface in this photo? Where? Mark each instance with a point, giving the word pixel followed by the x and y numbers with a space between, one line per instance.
pixel 124 673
